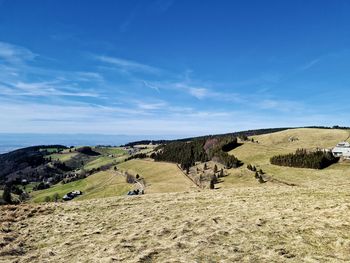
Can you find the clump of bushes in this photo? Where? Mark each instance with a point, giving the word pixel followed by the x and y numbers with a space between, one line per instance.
pixel 130 179
pixel 137 156
pixel 251 168
pixel 87 150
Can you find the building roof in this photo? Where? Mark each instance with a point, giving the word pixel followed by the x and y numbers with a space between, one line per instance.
pixel 343 145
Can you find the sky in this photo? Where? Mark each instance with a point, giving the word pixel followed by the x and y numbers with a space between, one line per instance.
pixel 172 67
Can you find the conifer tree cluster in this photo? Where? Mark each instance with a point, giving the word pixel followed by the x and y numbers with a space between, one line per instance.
pixel 184 153
pixel 304 159
pixel 189 152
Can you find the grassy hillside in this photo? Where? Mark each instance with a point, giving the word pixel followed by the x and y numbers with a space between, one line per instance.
pixel 270 223
pixel 268 145
pixel 160 177
pixel 99 185
pixel 117 151
pixel 63 157
pixel 249 222
pixel 100 161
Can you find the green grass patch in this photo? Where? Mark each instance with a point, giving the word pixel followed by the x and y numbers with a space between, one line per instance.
pixel 99 185
pixel 116 151
pixel 100 161
pixel 62 157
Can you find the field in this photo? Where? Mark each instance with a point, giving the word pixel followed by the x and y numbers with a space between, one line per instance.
pixel 270 223
pixel 110 150
pixel 298 215
pixel 259 154
pixel 100 161
pixel 63 157
pixel 99 185
pixel 160 177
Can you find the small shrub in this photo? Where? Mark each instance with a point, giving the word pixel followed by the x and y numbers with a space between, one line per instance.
pixel 130 179
pixel 6 195
pixel 212 184
pixel 55 197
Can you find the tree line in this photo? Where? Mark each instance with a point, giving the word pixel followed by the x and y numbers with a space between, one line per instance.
pixel 304 159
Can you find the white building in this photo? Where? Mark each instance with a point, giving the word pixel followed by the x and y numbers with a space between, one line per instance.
pixel 342 150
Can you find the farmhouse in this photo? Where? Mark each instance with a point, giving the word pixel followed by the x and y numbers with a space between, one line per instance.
pixel 342 150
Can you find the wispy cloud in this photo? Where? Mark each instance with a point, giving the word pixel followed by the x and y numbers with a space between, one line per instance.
pixel 155 7
pixel 199 91
pixel 150 86
pixel 281 105
pixel 128 65
pixel 161 6
pixel 19 76
pixel 51 89
pixel 151 106
pixel 310 64
pixel 15 54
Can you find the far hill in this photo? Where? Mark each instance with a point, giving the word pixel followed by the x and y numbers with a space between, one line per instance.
pixel 287 214
pixel 182 165
pixel 28 163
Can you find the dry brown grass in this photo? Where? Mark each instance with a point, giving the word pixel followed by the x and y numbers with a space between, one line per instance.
pixel 249 222
pixel 12 220
pixel 271 223
pixel 160 177
pixel 278 143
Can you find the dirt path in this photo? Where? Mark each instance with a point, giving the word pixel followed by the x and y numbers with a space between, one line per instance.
pixel 271 179
pixel 141 186
pixel 348 136
pixel 189 178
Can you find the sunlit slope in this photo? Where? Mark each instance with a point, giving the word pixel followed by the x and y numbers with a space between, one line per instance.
pixel 270 223
pixel 99 185
pixel 268 145
pixel 161 177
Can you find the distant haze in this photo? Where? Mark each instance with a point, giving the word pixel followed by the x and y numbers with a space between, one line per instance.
pixel 9 142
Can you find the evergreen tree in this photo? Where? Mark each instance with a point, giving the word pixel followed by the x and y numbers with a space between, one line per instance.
pixel 257 175
pixel 6 195
pixel 221 173
pixel 261 179
pixel 212 184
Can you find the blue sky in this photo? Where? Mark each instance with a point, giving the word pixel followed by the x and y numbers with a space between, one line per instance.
pixel 178 67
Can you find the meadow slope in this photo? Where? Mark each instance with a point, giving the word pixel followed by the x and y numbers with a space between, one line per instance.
pixel 259 154
pixel 270 223
pixel 241 221
pixel 160 177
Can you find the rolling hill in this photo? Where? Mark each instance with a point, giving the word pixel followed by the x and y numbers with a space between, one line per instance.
pixel 99 185
pixel 298 215
pixel 277 143
pixel 160 177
